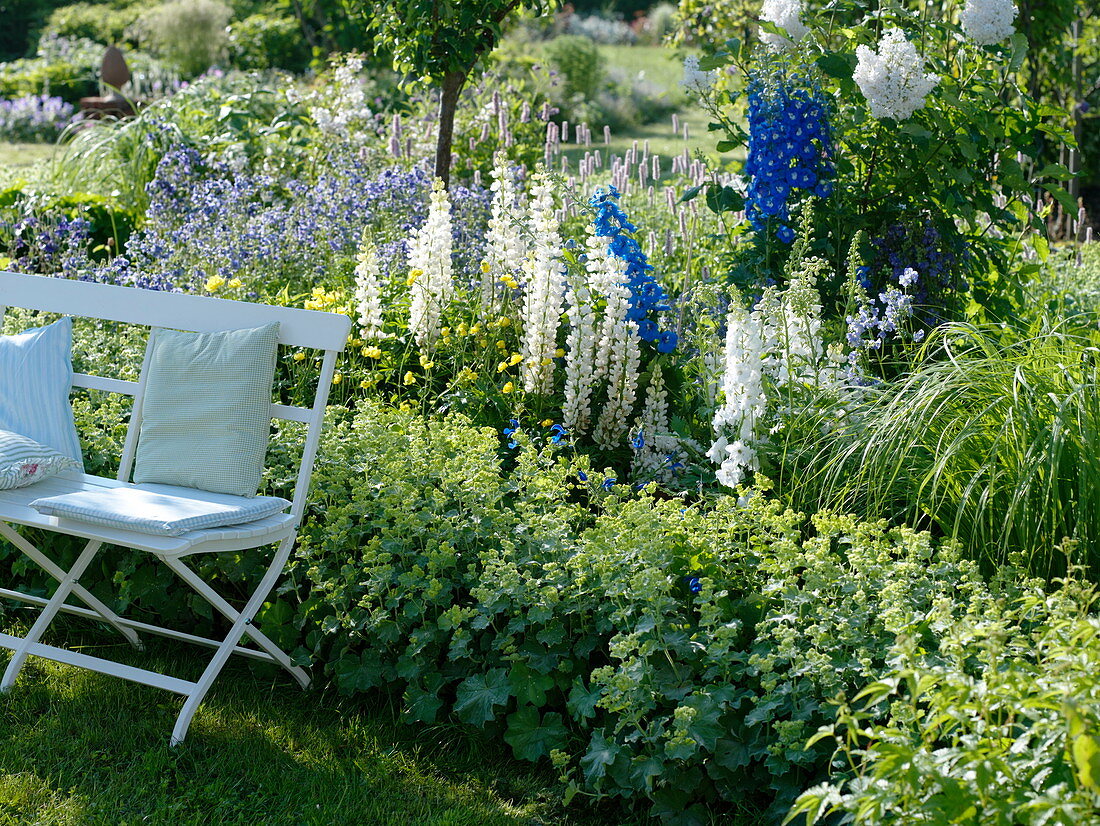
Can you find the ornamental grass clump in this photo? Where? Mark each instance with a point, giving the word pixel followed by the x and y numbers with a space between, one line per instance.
pixel 993 444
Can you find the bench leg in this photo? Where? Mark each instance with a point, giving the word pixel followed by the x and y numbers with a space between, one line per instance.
pixel 230 613
pixel 240 628
pixel 81 593
pixel 64 588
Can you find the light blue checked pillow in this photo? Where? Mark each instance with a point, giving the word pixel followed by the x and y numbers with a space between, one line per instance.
pixel 163 510
pixel 206 415
pixel 36 375
pixel 24 461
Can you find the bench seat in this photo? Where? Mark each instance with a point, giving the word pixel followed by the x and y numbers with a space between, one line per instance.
pixel 15 507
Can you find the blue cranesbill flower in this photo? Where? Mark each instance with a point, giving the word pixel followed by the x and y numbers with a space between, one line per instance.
pixel 557 433
pixel 608 483
pixel 638 441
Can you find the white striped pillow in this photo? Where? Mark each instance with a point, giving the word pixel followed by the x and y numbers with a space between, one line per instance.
pixel 36 375
pixel 24 461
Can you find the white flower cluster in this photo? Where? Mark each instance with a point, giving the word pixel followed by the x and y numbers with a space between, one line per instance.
pixel 341 109
pixel 791 331
pixel 787 16
pixel 655 445
pixel 580 355
pixel 543 294
pixel 368 291
pixel 988 21
pixel 618 357
pixel 893 79
pixel 506 247
pixel 430 275
pixel 735 422
pixel 695 79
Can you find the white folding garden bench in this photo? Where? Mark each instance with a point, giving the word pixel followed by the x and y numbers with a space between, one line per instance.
pixel 299 328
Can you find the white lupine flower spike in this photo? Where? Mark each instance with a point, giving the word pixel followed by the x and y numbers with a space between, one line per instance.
pixel 506 247
pixel 368 291
pixel 544 291
pixel 430 270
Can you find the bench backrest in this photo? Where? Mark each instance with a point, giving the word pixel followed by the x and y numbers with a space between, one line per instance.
pixel 193 313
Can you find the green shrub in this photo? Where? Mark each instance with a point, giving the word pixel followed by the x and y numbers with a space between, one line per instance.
pixel 34 76
pixel 268 41
pixel 997 724
pixel 94 21
pixel 190 34
pixel 579 60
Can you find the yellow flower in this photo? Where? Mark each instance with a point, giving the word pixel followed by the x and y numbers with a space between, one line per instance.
pixel 502 367
pixel 236 284
pixel 546 422
pixel 483 342
pixel 409 377
pixel 503 321
pixel 501 345
pixel 366 385
pixel 466 376
pixel 475 329
pixel 339 377
pixel 508 388
pixel 214 283
pixel 426 364
pixel 413 275
pixel 405 407
pixel 372 352
pixel 485 266
pixel 515 359
pixel 463 329
pixel 559 353
pixel 444 331
pixel 355 342
pixel 299 356
pixel 546 361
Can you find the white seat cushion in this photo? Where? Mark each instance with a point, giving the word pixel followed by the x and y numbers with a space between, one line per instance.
pixel 161 510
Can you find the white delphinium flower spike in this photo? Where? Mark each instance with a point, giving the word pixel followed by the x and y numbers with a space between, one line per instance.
pixel 787 16
pixel 744 403
pixel 430 269
pixel 988 21
pixel 580 355
pixel 893 79
pixel 506 247
pixel 368 291
pixel 544 292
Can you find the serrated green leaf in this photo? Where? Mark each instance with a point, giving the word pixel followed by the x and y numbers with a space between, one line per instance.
pixel 837 65
pixel 532 737
pixel 479 694
pixel 601 754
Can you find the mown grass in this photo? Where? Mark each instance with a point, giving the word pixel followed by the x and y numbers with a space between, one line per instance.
pixel 662 67
pixel 83 748
pixel 18 160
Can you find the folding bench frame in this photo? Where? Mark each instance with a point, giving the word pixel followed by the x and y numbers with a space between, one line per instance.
pixel 300 328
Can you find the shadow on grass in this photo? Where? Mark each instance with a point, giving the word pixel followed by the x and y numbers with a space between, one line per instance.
pixel 78 747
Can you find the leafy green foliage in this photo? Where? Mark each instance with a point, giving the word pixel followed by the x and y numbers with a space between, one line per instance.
pixel 991 719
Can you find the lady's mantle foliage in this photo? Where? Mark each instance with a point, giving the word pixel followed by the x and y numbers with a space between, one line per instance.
pixel 647 297
pixel 790 145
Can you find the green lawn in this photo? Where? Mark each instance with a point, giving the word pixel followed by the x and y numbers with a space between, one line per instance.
pixel 664 68
pixel 82 748
pixel 19 159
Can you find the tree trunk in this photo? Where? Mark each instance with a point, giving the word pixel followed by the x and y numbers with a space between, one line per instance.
pixel 452 85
